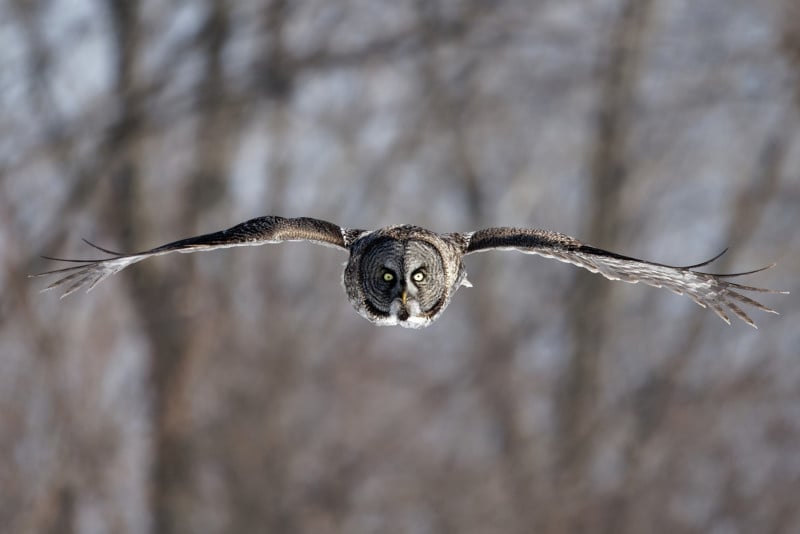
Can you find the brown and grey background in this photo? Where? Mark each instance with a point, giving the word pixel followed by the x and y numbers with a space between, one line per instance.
pixel 238 391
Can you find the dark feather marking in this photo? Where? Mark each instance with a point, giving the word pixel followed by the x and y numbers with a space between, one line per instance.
pixel 706 289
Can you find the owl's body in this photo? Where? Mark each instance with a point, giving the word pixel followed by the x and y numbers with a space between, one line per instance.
pixel 417 273
pixel 406 275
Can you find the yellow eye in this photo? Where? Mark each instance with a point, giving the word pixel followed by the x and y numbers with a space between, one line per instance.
pixel 418 276
pixel 388 277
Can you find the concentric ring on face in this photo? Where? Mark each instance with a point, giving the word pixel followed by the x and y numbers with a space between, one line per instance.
pixel 426 280
pixel 401 281
pixel 381 274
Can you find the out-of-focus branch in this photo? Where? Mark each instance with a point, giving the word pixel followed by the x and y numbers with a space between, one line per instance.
pixel 651 403
pixel 494 362
pixel 790 42
pixel 608 173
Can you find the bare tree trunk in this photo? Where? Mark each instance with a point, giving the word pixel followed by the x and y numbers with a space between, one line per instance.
pixel 609 172
pixel 276 79
pixel 160 306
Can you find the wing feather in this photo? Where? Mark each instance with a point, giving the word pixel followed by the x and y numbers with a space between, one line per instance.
pixel 259 231
pixel 708 290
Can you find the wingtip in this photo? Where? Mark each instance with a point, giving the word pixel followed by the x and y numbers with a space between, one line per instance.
pixel 702 264
pixel 68 292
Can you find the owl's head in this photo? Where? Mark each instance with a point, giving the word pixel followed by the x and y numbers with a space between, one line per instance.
pixel 402 276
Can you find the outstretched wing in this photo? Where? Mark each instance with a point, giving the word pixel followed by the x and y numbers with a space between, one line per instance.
pixel 259 231
pixel 708 290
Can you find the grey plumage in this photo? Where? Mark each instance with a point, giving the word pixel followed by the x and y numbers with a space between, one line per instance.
pixel 423 268
pixel 406 275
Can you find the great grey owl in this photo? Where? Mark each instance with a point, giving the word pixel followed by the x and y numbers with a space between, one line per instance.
pixel 405 275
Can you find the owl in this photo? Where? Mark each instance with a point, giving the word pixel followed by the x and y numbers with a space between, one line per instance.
pixel 406 275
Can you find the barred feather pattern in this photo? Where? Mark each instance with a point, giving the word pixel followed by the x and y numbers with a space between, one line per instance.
pixel 262 230
pixel 713 291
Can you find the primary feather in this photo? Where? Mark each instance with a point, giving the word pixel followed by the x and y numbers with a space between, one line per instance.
pixel 708 290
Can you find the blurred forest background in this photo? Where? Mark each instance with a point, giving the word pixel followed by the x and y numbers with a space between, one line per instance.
pixel 238 391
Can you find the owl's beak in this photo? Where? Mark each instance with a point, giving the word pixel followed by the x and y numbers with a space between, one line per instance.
pixel 404 297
